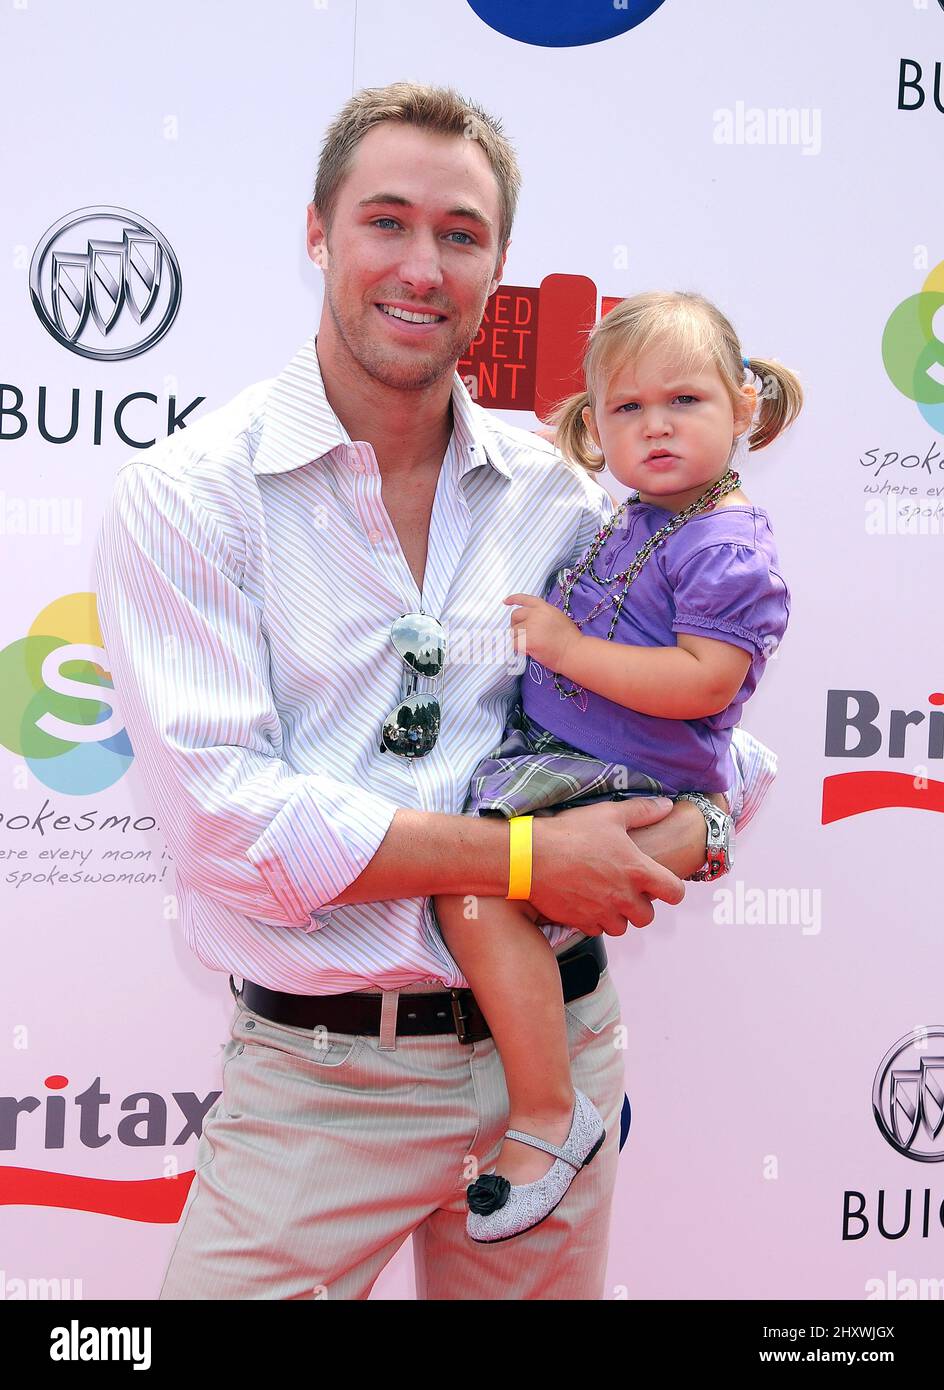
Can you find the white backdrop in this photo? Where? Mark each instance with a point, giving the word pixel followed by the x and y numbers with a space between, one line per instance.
pixel 755 153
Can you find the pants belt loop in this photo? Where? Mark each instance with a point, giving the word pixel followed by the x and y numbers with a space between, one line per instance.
pixel 388 1019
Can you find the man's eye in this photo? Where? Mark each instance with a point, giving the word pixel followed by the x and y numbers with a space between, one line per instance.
pixel 470 240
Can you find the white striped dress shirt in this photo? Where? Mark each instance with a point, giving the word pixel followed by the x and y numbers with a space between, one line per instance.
pixel 248 575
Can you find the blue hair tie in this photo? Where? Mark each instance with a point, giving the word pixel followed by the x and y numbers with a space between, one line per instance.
pixel 746 361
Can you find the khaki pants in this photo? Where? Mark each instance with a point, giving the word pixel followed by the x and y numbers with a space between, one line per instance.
pixel 316 1164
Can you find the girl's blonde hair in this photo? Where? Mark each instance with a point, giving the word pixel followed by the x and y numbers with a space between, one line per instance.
pixel 696 334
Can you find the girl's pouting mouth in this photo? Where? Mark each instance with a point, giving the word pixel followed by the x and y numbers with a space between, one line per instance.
pixel 661 463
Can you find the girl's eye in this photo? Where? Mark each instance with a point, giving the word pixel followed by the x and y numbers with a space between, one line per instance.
pixel 682 397
pixel 377 220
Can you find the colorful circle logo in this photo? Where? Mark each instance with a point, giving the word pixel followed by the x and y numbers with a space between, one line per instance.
pixel 563 23
pixel 51 714
pixel 913 348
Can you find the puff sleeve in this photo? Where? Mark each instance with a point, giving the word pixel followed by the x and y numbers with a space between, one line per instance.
pixel 732 592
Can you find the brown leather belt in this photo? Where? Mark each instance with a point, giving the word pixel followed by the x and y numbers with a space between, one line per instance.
pixel 445 1011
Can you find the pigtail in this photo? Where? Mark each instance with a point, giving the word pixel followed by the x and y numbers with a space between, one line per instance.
pixel 780 397
pixel 572 437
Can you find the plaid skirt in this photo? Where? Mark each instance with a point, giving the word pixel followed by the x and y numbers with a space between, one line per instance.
pixel 532 771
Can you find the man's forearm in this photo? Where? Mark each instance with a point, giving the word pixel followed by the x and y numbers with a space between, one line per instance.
pixel 427 852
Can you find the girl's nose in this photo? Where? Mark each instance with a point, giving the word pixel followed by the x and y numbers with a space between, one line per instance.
pixel 656 425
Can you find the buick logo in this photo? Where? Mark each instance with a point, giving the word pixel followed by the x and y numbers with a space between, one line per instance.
pixel 908 1095
pixel 105 283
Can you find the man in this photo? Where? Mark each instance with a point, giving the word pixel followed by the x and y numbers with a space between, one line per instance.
pixel 250 572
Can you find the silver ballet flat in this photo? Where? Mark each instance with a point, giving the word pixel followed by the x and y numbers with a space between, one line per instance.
pixel 498 1210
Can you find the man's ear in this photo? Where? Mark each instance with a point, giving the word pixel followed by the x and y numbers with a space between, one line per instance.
pixel 499 271
pixel 317 238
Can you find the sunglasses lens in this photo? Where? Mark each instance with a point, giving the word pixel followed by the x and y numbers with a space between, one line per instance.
pixel 413 727
pixel 421 642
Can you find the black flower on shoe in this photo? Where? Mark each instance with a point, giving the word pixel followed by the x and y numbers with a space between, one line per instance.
pixel 488 1193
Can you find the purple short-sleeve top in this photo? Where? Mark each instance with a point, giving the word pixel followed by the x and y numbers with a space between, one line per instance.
pixel 719 577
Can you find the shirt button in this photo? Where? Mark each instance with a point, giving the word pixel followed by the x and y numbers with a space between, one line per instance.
pixel 373 537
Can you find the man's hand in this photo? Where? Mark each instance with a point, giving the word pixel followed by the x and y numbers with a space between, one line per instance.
pixel 680 842
pixel 588 873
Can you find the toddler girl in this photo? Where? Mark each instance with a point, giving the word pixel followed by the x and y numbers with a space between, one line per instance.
pixel 639 664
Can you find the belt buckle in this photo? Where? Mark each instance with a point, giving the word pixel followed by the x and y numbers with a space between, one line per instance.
pixel 459 1018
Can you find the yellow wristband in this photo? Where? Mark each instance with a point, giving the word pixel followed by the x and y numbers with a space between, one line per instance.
pixel 519 862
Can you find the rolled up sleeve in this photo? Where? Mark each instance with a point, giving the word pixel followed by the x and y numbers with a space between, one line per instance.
pixel 755 767
pixel 189 666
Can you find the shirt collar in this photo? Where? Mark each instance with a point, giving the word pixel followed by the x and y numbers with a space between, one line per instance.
pixel 299 425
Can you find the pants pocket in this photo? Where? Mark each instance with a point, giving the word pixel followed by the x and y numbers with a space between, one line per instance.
pixel 318 1046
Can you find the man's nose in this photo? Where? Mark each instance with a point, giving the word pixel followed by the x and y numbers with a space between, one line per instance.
pixel 421 263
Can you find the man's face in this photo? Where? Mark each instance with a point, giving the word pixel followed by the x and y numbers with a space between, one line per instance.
pixel 415 226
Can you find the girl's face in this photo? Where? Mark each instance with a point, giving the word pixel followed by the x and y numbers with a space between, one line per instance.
pixel 667 436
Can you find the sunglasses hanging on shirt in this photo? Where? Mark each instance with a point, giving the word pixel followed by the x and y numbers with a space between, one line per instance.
pixel 412 727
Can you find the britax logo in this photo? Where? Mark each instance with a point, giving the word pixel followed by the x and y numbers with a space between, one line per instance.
pixel 857 726
pixel 148 1121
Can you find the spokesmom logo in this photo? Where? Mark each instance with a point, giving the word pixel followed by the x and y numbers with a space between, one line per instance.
pixel 913 348
pixel 563 23
pixel 51 712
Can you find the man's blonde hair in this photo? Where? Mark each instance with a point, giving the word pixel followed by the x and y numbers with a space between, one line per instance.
pixel 437 109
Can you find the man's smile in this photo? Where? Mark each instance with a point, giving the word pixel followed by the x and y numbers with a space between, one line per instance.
pixel 415 322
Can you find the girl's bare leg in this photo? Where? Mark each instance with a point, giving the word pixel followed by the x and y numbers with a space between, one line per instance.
pixel 515 978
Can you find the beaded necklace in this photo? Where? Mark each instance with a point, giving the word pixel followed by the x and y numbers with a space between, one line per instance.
pixel 705 503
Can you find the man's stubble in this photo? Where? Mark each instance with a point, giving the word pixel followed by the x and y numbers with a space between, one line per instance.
pixel 424 368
